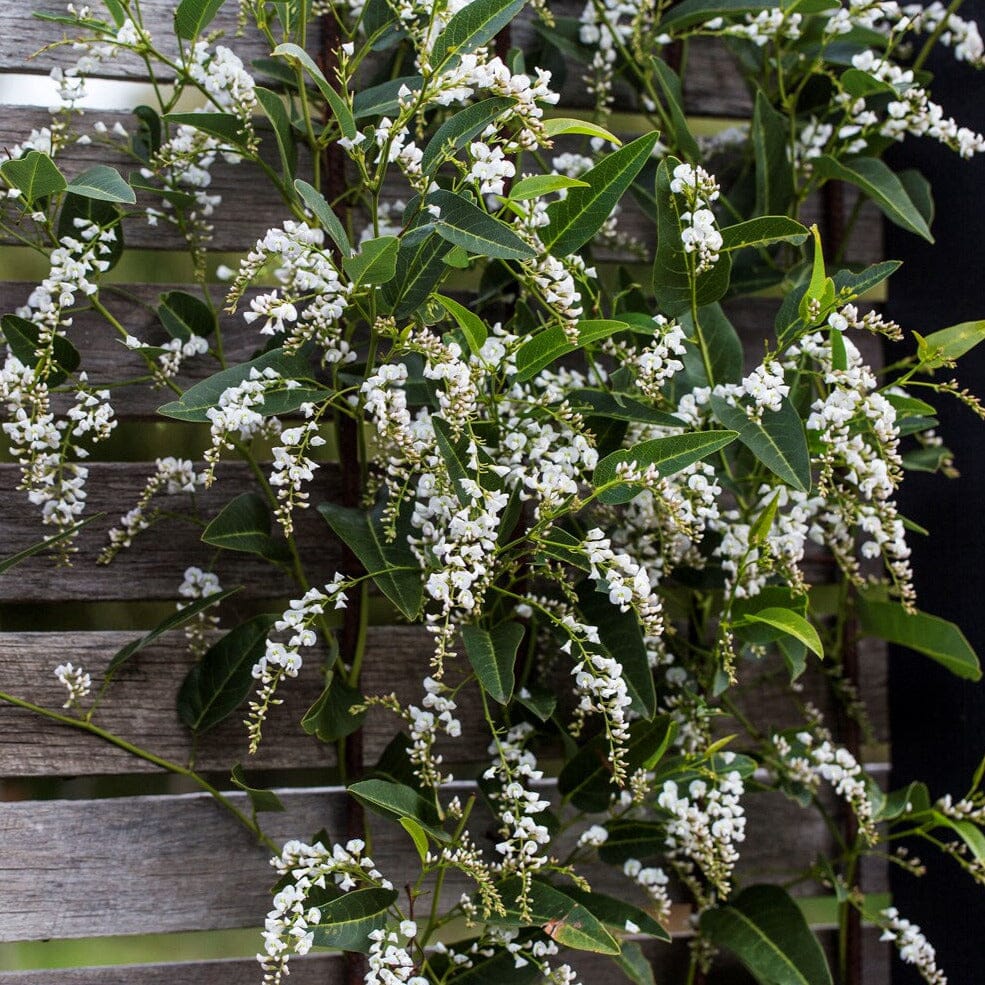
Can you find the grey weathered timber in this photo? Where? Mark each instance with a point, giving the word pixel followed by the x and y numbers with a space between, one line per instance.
pixel 154 569
pixel 130 865
pixel 140 707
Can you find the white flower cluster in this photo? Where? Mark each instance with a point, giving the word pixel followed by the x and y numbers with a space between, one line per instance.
pixel 198 584
pixel 629 583
pixel 706 822
pixel 960 35
pixel 657 363
pixel 171 477
pixel 699 232
pixel 388 959
pixel 223 77
pixel 524 837
pixel 77 682
pixel 288 927
pixel 912 946
pixel 282 660
pixel 176 351
pixel 766 26
pixel 312 298
pixel 653 881
pixel 292 468
pixel 437 716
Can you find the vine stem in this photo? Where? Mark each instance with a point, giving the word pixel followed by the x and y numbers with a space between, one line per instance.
pixel 145 754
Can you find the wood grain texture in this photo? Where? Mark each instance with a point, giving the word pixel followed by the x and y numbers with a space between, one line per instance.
pixel 159 864
pixel 140 707
pixel 154 569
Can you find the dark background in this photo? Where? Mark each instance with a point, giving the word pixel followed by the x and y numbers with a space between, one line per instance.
pixel 937 720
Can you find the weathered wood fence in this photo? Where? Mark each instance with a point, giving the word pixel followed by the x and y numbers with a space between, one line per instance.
pixel 104 866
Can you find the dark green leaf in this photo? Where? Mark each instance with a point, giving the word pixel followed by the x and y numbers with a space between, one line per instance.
pixel 473 26
pixel 541 701
pixel 572 925
pixel 694 12
pixel 35 174
pixel 340 108
pixel 103 183
pixel 394 800
pixel 857 284
pixel 538 185
pixel 180 618
pixel 184 315
pixel 619 407
pixel 632 839
pixel 493 655
pixel 461 128
pixel 764 927
pixel 348 920
pixel 375 263
pixel 878 183
pixel 8 562
pixel 680 132
pixel 220 682
pixel 243 524
pixel 545 347
pixel 778 442
pixel 616 913
pixel 22 336
pixel 930 635
pixel 420 267
pixel 322 211
pixel 466 225
pixel 721 343
pixel 575 219
pixel 261 800
pixel 763 231
pixel 770 134
pixel 558 126
pixel 455 453
pixel 634 964
pixel 793 624
pixel 330 718
pixel 394 569
pixel 669 455
pixel 191 17
pixel 472 326
pixel 382 99
pixel 277 114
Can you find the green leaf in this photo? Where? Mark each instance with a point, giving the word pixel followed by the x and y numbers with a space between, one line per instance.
pixel 348 920
pixel 191 17
pixel 394 800
pixel 770 134
pixel 340 108
pixel 545 347
pixel 586 779
pixel 472 27
pixel 820 288
pixel 420 266
pixel 619 407
pixel 559 126
pixel 175 621
pixel 632 839
pixel 672 266
pixel 616 913
pixel 793 624
pixel 393 567
pixel 763 231
pixel 195 403
pixel 872 276
pixel 322 211
pixel 680 132
pixel 759 531
pixel 495 970
pixel 540 701
pixel 220 682
pixel 330 717
pixel 722 345
pixel 622 637
pixel 243 524
pixel 184 315
pixel 538 185
pixel 634 964
pixel 226 127
pixel 382 99
pixel 575 219
pixel 466 225
pixel 461 128
pixel 878 183
pixel 694 12
pixel 455 453
pixel 778 442
pixel 930 635
pixel 417 835
pixel 944 346
pixel 375 263
pixel 260 799
pixel 669 455
pixel 22 337
pixel 765 929
pixel 35 174
pixel 103 183
pixel 103 214
pixel 472 326
pixel 572 925
pixel 283 132
pixel 493 656
pixel 8 562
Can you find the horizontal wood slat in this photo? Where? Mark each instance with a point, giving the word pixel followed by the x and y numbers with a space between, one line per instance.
pixel 130 865
pixel 140 706
pixel 153 570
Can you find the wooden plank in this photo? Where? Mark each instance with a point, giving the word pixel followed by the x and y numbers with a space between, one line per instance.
pixel 140 707
pixel 153 570
pixel 130 865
